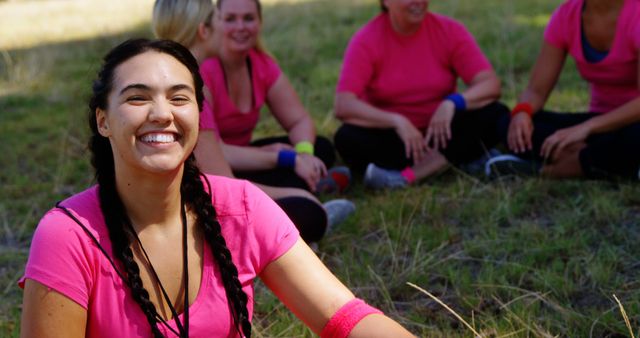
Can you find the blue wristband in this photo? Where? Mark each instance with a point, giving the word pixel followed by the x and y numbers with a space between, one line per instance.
pixel 458 101
pixel 287 159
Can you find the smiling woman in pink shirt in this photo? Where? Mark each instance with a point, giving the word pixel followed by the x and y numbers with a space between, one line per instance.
pixel 404 118
pixel 603 37
pixel 242 79
pixel 158 249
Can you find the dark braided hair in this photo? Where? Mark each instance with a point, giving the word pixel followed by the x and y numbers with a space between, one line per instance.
pixel 197 199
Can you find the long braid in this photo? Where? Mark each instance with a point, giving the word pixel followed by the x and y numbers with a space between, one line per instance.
pixel 115 218
pixel 113 210
pixel 200 201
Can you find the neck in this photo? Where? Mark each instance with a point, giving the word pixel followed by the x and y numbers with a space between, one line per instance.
pixel 199 53
pixel 151 201
pixel 603 5
pixel 404 29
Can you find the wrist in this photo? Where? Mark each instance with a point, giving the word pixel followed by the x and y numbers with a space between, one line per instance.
pixel 458 101
pixel 286 159
pixel 397 120
pixel 304 147
pixel 522 107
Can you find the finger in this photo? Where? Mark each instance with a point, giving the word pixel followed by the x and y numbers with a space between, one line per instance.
pixel 418 152
pixel 448 128
pixel 511 140
pixel 443 137
pixel 528 132
pixel 428 138
pixel 424 148
pixel 519 141
pixel 435 139
pixel 547 147
pixel 407 149
pixel 323 169
pixel 558 149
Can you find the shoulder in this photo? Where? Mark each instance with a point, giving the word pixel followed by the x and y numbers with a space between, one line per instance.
pixel 568 10
pixel 445 25
pixel 262 60
pixel 265 68
pixel 373 30
pixel 63 255
pixel 84 206
pixel 230 196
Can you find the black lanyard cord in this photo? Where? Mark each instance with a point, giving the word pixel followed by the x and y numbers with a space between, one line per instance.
pixel 113 264
pixel 183 328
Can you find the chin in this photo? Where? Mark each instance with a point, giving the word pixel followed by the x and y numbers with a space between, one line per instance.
pixel 163 164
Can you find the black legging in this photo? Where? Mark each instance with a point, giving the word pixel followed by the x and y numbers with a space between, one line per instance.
pixel 473 133
pixel 308 216
pixel 607 155
pixel 285 177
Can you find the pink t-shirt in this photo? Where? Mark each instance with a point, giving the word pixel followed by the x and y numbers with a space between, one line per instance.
pixel 64 258
pixel 614 80
pixel 410 75
pixel 234 126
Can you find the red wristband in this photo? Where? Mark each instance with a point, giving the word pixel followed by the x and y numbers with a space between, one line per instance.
pixel 346 318
pixel 522 107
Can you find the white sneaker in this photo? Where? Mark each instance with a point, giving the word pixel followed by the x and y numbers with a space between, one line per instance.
pixel 510 165
pixel 378 178
pixel 338 210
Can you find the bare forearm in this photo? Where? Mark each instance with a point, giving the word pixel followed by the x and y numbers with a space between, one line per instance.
pixel 209 155
pixel 249 158
pixel 378 326
pixel 304 130
pixel 279 192
pixel 535 99
pixel 482 91
pixel 623 116
pixel 352 110
pixel 544 76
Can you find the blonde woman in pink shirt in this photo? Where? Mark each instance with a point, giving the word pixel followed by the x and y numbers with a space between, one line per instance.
pixel 191 23
pixel 404 118
pixel 158 249
pixel 242 79
pixel 603 37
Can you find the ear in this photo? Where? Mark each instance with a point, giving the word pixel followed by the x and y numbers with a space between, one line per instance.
pixel 203 31
pixel 103 124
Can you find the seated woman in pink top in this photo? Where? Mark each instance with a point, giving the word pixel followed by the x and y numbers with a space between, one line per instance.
pixel 403 116
pixel 191 23
pixel 242 79
pixel 603 37
pixel 156 248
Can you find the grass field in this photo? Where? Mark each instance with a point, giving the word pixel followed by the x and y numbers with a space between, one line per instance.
pixel 517 258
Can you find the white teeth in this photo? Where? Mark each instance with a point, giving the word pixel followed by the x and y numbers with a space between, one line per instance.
pixel 158 138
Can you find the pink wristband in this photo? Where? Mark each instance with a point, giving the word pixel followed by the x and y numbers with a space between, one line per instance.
pixel 346 318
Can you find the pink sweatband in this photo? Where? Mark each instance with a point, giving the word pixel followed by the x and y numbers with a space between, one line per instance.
pixel 408 174
pixel 346 318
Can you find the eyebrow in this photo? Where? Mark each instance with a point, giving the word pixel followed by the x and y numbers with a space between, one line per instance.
pixel 147 88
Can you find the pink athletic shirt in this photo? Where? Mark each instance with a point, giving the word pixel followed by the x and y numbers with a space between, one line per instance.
pixel 64 258
pixel 410 75
pixel 235 126
pixel 614 80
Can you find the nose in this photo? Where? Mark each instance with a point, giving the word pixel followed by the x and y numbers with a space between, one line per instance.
pixel 239 24
pixel 160 111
